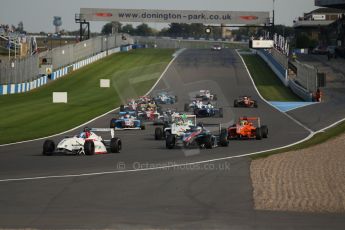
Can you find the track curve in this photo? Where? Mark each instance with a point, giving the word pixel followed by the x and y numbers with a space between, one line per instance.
pixel 175 198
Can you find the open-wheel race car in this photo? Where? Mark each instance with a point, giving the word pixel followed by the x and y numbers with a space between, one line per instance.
pixel 165 98
pixel 177 122
pixel 126 122
pixel 216 47
pixel 205 95
pixel 126 109
pixel 196 137
pixel 245 101
pixel 208 111
pixel 248 128
pixel 84 143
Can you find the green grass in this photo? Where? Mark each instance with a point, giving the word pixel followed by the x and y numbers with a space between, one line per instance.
pixel 33 115
pixel 272 89
pixel 317 139
pixel 268 84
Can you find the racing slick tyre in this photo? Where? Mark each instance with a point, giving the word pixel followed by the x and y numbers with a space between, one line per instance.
pixel 223 138
pixel 142 127
pixel 122 108
pixel 255 104
pixel 89 147
pixel 115 145
pixel 186 107
pixel 220 112
pixel 264 131
pixel 48 147
pixel 158 133
pixel 236 103
pixel 196 112
pixel 170 141
pixel 208 142
pixel 258 134
pixel 113 123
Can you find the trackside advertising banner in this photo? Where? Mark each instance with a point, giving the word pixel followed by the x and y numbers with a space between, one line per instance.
pixel 176 16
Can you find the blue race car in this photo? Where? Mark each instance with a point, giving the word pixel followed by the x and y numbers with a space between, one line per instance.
pixel 126 122
pixel 165 98
pixel 125 109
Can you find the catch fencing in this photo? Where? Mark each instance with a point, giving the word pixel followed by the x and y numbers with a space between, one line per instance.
pixel 307 76
pixel 179 43
pixel 304 84
pixel 280 57
pixel 28 69
pixel 19 70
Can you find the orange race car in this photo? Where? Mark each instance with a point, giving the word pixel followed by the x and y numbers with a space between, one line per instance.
pixel 248 128
pixel 245 101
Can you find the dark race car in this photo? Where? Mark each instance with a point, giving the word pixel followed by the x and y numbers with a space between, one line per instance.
pixel 197 137
pixel 245 101
pixel 208 111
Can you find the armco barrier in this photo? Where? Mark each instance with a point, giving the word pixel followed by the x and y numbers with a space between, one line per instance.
pixel 276 67
pixel 27 86
pixel 23 87
pixel 300 91
pixel 281 72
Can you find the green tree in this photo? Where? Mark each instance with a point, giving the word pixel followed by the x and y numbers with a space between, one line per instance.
pixel 143 30
pixel 128 29
pixel 303 41
pixel 108 28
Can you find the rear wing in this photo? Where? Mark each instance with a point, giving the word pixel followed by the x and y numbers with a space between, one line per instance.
pixel 251 119
pixel 214 125
pixel 111 130
pixel 131 112
pixel 193 117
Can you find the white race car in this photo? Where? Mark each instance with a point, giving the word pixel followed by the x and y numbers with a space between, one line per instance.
pixel 216 47
pixel 85 143
pixel 206 95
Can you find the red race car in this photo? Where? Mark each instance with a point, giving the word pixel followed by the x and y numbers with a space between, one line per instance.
pixel 248 128
pixel 245 101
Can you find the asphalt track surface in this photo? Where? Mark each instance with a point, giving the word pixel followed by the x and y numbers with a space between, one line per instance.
pixel 209 195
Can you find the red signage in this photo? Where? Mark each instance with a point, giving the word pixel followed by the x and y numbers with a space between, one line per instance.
pixel 104 14
pixel 249 17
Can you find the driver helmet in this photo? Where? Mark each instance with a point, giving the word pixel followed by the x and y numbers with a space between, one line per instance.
pixel 87 132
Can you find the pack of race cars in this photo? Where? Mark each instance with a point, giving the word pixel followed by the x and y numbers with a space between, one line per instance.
pixel 178 129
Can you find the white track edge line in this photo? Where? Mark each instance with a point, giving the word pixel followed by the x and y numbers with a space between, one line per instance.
pixel 251 78
pixel 178 165
pixel 54 135
pixel 150 169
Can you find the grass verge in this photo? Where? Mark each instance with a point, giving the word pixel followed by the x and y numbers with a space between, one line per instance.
pixel 272 89
pixel 317 139
pixel 32 115
pixel 269 86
